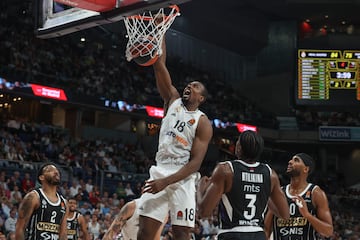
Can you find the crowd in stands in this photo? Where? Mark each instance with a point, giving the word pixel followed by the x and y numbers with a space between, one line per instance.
pixel 308 120
pixel 94 68
pixel 83 160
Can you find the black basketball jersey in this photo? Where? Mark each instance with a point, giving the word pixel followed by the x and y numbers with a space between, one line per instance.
pixel 45 221
pixel 72 225
pixel 297 227
pixel 246 203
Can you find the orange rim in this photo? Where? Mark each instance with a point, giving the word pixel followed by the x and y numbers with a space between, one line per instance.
pixel 147 18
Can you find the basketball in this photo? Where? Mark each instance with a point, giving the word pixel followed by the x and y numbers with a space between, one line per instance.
pixel 142 52
pixel 146 60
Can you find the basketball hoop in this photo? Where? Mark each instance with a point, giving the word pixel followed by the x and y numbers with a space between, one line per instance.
pixel 145 32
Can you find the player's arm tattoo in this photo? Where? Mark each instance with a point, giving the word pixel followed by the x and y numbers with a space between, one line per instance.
pixel 115 227
pixel 118 223
pixel 26 208
pixel 125 213
pixel 25 211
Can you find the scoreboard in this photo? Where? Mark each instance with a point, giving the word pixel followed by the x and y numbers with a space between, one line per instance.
pixel 328 77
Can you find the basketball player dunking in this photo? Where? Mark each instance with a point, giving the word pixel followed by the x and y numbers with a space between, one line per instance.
pixel 183 141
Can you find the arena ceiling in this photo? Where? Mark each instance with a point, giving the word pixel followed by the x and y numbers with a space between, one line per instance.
pixel 242 25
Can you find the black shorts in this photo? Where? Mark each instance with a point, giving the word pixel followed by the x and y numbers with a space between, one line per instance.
pixel 242 236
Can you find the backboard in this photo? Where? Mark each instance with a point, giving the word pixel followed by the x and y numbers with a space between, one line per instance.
pixel 54 18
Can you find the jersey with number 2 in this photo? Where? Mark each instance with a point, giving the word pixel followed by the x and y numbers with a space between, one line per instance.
pixel 45 222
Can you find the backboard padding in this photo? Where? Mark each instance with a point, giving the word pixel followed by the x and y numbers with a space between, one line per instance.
pixel 52 21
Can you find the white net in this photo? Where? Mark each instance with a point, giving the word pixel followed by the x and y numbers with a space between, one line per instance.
pixel 145 32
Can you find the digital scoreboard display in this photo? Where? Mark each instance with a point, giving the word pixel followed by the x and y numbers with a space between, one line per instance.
pixel 328 78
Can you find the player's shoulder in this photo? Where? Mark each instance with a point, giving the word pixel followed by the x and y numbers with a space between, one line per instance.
pixel 224 168
pixel 32 197
pixel 317 190
pixel 318 195
pixel 204 120
pixel 33 193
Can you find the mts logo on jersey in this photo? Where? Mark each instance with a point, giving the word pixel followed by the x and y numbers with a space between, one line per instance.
pixel 252 188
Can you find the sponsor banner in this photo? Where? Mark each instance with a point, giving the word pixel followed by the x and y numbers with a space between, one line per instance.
pixel 339 133
pixel 42 91
pixel 48 92
pixel 154 112
pixel 243 127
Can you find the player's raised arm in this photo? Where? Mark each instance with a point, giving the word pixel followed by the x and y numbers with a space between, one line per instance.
pixel 163 79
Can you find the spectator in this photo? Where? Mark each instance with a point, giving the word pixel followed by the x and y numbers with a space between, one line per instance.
pixel 15 196
pixel 3 183
pixel 94 196
pixel 120 190
pixel 6 206
pixel 74 189
pixel 105 208
pixel 129 192
pixel 94 227
pixel 10 222
pixel 27 183
pixel 115 200
pixel 10 183
pixel 89 185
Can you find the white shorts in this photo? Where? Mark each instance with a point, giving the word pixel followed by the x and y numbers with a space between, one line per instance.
pixel 177 200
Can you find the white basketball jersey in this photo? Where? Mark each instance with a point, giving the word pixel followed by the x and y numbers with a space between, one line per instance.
pixel 177 133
